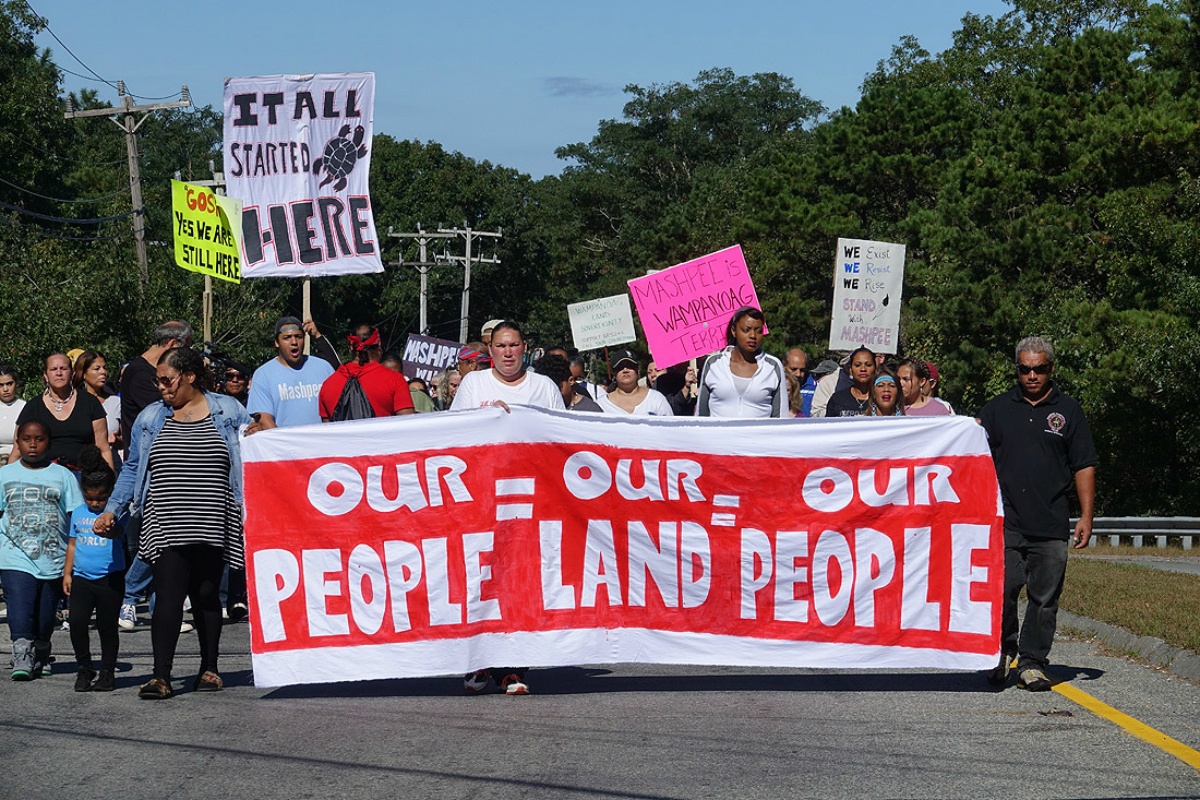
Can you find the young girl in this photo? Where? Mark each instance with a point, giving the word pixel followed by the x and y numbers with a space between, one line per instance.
pixel 94 577
pixel 36 498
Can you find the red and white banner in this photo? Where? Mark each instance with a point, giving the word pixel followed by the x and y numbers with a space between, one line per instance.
pixel 297 154
pixel 437 544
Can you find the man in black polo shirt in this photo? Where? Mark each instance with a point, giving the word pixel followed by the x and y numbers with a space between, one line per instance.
pixel 1042 445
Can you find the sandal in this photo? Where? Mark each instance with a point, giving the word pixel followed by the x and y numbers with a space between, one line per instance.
pixel 209 681
pixel 155 689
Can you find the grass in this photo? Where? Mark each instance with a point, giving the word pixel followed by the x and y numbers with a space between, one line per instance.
pixel 1146 601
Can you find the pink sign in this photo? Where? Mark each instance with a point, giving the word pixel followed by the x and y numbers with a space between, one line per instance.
pixel 685 309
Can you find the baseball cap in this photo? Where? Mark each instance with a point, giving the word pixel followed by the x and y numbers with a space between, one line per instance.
pixel 487 326
pixel 622 356
pixel 825 367
pixel 285 322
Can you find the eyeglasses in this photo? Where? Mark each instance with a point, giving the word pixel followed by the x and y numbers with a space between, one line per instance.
pixel 1040 369
pixel 167 383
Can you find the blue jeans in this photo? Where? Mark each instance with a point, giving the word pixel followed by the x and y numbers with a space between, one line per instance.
pixel 138 579
pixel 31 603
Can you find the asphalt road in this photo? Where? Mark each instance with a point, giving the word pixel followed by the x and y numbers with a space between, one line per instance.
pixel 620 731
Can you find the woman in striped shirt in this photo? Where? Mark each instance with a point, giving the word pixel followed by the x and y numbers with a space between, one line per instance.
pixel 183 477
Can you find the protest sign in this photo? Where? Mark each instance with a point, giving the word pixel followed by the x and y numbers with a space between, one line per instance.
pixel 684 309
pixel 207 228
pixel 438 544
pixel 297 154
pixel 600 323
pixel 868 279
pixel 425 356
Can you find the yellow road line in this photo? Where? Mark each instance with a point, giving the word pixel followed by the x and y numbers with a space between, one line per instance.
pixel 1139 729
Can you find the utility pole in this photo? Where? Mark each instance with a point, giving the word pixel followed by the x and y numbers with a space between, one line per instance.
pixel 423 265
pixel 125 118
pixel 468 235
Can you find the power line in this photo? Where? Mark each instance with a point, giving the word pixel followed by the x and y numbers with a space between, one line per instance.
pixel 52 154
pixel 64 46
pixel 69 220
pixel 98 78
pixel 61 200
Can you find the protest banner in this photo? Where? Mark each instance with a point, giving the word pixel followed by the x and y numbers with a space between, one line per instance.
pixel 426 356
pixel 603 322
pixel 297 154
pixel 868 280
pixel 684 309
pixel 207 228
pixel 438 544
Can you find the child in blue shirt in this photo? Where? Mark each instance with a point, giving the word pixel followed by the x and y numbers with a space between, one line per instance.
pixel 36 498
pixel 94 578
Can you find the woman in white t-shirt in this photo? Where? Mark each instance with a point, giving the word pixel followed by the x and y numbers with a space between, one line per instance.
pixel 630 397
pixel 10 409
pixel 742 380
pixel 508 382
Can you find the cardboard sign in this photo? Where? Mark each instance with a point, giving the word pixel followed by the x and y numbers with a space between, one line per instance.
pixel 297 154
pixel 600 323
pixel 425 357
pixel 438 544
pixel 685 309
pixel 207 229
pixel 868 280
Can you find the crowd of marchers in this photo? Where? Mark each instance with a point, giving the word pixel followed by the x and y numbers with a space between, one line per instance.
pixel 111 497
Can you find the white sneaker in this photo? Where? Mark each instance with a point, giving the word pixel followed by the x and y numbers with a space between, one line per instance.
pixel 476 681
pixel 514 685
pixel 186 627
pixel 128 617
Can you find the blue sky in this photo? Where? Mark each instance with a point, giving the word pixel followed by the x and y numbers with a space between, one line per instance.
pixel 502 82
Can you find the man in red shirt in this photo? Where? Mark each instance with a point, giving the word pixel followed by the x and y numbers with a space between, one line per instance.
pixel 386 389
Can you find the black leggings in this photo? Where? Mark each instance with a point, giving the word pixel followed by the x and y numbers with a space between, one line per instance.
pixel 190 570
pixel 103 596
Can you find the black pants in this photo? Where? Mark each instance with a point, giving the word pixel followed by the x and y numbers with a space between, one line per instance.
pixel 192 570
pixel 1039 565
pixel 102 596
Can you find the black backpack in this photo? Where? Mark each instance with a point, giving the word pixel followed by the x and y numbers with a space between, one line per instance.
pixel 352 402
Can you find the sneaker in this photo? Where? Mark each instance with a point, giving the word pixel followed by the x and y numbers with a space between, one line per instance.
pixel 66 626
pixel 84 678
pixel 512 684
pixel 1033 679
pixel 998 675
pixel 238 612
pixel 22 660
pixel 128 617
pixel 476 681
pixel 155 689
pixel 106 682
pixel 186 627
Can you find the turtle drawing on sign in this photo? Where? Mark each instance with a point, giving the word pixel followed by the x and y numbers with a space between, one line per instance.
pixel 340 155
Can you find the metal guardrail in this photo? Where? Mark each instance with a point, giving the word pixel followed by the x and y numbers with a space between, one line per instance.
pixel 1138 530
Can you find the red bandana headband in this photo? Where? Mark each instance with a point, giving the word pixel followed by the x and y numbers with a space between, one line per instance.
pixel 363 344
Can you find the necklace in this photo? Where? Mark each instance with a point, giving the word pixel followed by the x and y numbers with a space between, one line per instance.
pixel 58 404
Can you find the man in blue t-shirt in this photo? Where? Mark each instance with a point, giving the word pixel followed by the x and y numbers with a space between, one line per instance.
pixel 285 390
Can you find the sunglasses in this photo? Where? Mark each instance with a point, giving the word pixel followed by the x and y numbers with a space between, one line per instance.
pixel 1040 369
pixel 234 376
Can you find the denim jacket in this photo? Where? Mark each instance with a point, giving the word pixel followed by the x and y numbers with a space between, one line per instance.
pixel 228 416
